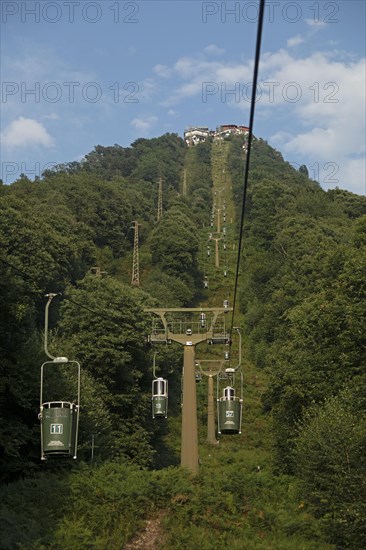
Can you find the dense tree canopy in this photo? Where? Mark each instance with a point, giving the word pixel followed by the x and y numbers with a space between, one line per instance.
pixel 53 231
pixel 302 295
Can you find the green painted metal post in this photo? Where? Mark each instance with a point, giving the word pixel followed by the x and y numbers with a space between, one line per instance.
pixel 189 449
pixel 211 431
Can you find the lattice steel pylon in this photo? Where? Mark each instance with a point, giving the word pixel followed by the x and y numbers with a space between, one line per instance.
pixel 160 199
pixel 135 260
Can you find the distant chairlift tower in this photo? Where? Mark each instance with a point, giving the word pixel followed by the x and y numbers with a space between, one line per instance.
pixel 184 188
pixel 135 260
pixel 210 368
pixel 217 256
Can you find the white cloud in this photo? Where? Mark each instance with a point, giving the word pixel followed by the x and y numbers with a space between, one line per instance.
pixel 198 73
pixel 319 140
pixel 212 49
pixel 325 127
pixel 145 90
pixel 26 132
pixel 332 105
pixel 280 138
pixel 144 125
pixel 188 67
pixel 52 116
pixel 317 103
pixel 315 23
pixel 295 41
pixel 42 66
pixel 162 70
pixel 352 176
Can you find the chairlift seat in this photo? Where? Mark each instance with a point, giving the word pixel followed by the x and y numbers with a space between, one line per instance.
pixel 59 427
pixel 159 398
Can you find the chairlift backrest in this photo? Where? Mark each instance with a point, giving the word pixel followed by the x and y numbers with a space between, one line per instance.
pixel 228 392
pixel 159 387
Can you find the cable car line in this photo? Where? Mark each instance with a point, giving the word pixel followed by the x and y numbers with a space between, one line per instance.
pixel 102 316
pixel 82 306
pixel 23 273
pixel 250 136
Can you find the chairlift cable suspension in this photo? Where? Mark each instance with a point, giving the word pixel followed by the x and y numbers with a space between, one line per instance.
pixel 250 136
pixel 81 306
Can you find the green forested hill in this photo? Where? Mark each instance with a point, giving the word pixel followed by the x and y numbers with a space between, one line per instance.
pixel 295 478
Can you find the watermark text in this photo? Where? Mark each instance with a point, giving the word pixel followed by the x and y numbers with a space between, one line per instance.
pixel 69 12
pixel 270 91
pixel 70 92
pixel 290 12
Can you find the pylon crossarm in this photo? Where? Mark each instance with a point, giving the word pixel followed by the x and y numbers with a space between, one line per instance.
pixel 210 367
pixel 186 336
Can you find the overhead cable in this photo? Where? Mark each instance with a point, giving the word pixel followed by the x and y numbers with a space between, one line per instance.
pixel 24 274
pixel 250 137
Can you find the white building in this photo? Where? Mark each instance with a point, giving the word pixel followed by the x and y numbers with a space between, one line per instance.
pixel 196 134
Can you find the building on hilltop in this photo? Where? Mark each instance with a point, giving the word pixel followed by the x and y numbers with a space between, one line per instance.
pixel 226 130
pixel 197 134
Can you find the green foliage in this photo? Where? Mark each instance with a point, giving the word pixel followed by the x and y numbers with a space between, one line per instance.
pixel 301 292
pixel 52 232
pixel 159 157
pixel 174 246
pixel 146 159
pixel 169 290
pixel 111 314
pixel 330 459
pixel 198 177
pixel 304 170
pixel 38 254
pixel 105 208
pixel 97 507
pixel 353 205
pixel 231 507
pixel 30 509
pixel 320 347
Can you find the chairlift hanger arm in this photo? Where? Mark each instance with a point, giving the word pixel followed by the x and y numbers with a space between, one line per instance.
pixel 50 297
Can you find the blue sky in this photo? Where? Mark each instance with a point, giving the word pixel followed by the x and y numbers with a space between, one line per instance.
pixel 76 74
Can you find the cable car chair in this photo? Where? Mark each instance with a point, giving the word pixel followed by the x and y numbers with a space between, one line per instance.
pixel 158 334
pixel 159 398
pixel 59 419
pixel 229 405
